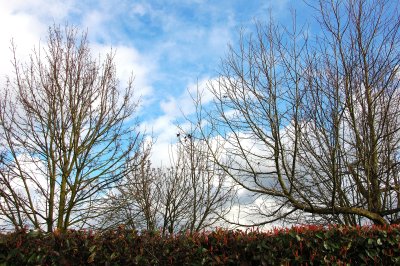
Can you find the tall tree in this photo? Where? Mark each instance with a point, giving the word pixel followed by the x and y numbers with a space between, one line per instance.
pixel 67 132
pixel 311 126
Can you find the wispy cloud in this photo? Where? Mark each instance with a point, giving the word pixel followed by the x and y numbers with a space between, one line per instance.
pixel 166 45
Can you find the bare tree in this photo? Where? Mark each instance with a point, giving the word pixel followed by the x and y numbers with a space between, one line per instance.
pixel 135 203
pixel 311 126
pixel 189 195
pixel 67 133
pixel 175 196
pixel 209 192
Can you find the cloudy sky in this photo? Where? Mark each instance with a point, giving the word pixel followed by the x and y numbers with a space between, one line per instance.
pixel 169 46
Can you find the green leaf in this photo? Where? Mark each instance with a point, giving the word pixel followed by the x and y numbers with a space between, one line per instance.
pixel 392 241
pixel 92 248
pixel 362 257
pixel 326 245
pixel 113 255
pixel 335 245
pixel 371 253
pixel 34 233
pixel 91 257
pixel 379 242
pixel 32 258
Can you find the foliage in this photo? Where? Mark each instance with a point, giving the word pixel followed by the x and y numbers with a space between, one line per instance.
pixel 303 245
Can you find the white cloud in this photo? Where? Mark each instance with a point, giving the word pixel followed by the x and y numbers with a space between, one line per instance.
pixel 25 31
pixel 164 131
pixel 130 62
pixel 174 109
pixel 170 106
pixel 183 105
pixel 26 23
pixel 139 9
pixel 39 8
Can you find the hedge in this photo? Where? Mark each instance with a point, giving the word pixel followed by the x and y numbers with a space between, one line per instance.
pixel 301 245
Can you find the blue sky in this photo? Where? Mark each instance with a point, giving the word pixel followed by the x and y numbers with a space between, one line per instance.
pixel 169 46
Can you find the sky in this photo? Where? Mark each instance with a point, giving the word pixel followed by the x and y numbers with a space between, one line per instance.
pixel 171 47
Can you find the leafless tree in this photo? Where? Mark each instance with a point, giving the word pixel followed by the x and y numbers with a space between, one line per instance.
pixel 135 203
pixel 189 195
pixel 67 132
pixel 209 192
pixel 311 125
